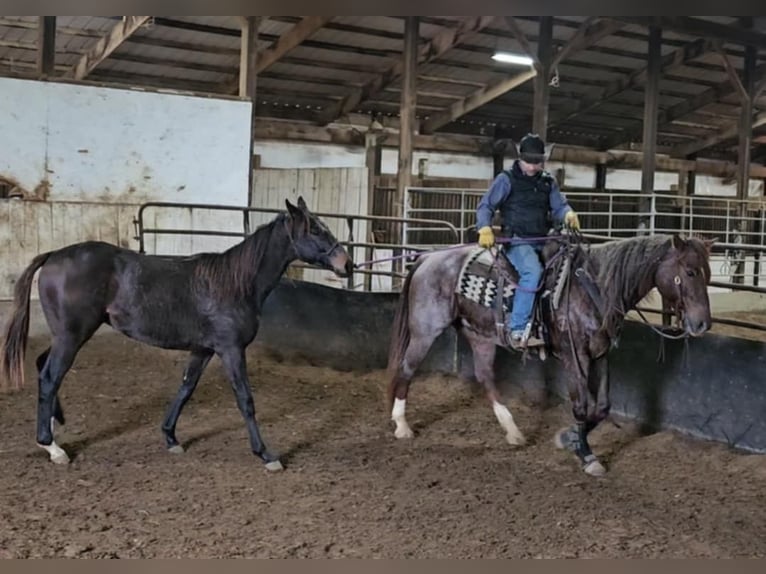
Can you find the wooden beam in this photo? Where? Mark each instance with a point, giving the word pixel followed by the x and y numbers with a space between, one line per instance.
pixel 703 28
pixel 288 41
pixel 727 132
pixel 667 116
pixel 651 105
pixel 676 58
pixel 106 45
pixel 746 125
pixel 429 51
pixel 354 136
pixel 46 46
pixel 742 92
pixel 587 35
pixel 407 111
pixel 475 100
pixel 521 38
pixel 248 76
pixel 542 79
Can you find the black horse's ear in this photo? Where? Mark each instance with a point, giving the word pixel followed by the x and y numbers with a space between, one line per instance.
pixel 678 242
pixel 300 221
pixel 302 204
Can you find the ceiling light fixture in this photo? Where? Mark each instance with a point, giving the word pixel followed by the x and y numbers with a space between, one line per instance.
pixel 509 58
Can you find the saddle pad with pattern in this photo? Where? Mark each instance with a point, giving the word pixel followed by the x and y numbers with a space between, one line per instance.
pixel 477 281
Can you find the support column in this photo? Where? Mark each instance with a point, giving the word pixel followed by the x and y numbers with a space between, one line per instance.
pixel 651 106
pixel 46 46
pixel 407 119
pixel 542 79
pixel 373 152
pixel 248 62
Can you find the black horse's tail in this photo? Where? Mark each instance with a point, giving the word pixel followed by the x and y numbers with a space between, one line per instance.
pixel 400 331
pixel 17 329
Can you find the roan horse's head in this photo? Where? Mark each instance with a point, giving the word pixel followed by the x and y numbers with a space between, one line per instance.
pixel 314 243
pixel 682 279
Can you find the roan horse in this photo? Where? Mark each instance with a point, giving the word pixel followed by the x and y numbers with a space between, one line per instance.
pixel 208 303
pixel 581 333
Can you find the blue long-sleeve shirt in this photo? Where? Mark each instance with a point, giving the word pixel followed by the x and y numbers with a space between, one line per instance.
pixel 499 191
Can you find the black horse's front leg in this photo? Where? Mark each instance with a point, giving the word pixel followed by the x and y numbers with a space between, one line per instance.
pixel 575 438
pixel 236 370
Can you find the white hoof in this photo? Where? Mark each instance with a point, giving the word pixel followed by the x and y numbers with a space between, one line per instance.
pixel 594 468
pixel 274 466
pixel 403 431
pixel 177 449
pixel 516 438
pixel 57 454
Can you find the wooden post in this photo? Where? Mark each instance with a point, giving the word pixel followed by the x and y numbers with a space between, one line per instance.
pixel 651 100
pixel 407 116
pixel 542 79
pixel 46 46
pixel 248 66
pixel 373 152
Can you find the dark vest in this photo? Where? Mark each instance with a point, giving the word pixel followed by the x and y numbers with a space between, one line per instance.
pixel 526 212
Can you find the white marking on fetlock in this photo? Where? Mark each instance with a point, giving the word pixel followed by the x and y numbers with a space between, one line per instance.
pixel 402 430
pixel 176 449
pixel 512 433
pixel 594 468
pixel 274 466
pixel 57 454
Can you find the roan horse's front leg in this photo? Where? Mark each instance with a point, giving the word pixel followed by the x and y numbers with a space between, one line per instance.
pixel 581 391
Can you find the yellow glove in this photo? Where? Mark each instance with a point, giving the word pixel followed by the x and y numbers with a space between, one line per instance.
pixel 486 237
pixel 572 221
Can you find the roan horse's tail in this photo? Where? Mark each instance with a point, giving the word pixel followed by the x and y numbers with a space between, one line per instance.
pixel 400 331
pixel 15 340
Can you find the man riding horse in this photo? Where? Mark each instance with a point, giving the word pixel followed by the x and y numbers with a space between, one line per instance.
pixel 528 198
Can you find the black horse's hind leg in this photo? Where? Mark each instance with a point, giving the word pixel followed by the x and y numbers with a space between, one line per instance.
pixel 236 370
pixel 58 412
pixel 484 351
pixel 59 360
pixel 575 439
pixel 192 373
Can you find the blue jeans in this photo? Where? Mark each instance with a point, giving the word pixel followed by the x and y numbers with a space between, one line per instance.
pixel 526 259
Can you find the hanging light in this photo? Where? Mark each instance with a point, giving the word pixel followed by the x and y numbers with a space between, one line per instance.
pixel 509 58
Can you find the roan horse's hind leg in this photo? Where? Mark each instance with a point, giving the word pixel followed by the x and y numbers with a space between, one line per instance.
pixel 484 351
pixel 417 349
pixel 198 360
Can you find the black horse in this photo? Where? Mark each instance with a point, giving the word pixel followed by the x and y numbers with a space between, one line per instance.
pixel 206 303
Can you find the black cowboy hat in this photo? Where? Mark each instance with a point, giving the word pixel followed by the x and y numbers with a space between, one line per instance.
pixel 532 149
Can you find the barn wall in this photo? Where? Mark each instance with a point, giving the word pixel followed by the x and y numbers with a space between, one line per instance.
pixel 282 154
pixel 85 157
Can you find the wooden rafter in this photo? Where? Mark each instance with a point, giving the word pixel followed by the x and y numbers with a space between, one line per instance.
pixel 521 38
pixel 288 41
pixel 588 34
pixel 680 109
pixel 476 99
pixel 106 45
pixel 703 28
pixel 729 131
pixel 676 58
pixel 427 52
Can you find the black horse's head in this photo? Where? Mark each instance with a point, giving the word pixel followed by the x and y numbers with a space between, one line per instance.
pixel 314 243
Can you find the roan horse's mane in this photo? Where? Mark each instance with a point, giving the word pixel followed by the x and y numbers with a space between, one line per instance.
pixel 231 273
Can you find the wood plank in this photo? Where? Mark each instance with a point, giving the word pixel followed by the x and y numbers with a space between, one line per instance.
pixel 46 46
pixel 106 45
pixel 428 52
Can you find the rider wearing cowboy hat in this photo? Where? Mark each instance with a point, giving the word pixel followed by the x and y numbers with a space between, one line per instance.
pixel 527 197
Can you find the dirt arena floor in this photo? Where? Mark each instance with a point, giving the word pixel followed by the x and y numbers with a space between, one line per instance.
pixel 457 490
